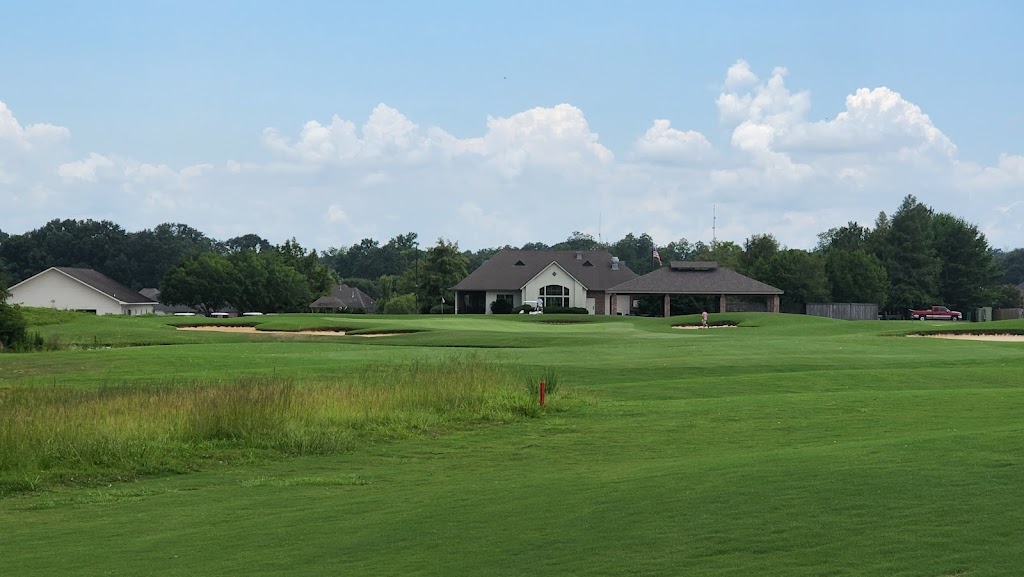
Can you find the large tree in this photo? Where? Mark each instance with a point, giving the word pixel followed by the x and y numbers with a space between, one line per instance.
pixel 206 282
pixel 443 268
pixel 969 274
pixel 757 248
pixel 1011 265
pixel 913 264
pixel 637 252
pixel 800 274
pixel 856 277
pixel 268 284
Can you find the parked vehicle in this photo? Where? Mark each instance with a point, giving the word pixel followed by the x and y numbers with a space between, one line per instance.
pixel 936 313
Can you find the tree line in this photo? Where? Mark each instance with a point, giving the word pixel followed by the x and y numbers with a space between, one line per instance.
pixel 915 257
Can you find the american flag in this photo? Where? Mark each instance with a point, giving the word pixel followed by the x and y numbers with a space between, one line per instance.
pixel 657 257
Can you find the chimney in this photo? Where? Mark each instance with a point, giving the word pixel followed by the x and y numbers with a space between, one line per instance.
pixel 579 255
pixel 615 263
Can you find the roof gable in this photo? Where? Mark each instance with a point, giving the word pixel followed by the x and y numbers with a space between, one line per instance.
pixel 694 281
pixel 98 282
pixel 502 271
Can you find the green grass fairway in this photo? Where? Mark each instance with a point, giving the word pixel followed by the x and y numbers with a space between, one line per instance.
pixel 786 446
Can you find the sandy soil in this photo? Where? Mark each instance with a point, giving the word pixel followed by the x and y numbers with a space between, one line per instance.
pixel 976 337
pixel 700 327
pixel 252 330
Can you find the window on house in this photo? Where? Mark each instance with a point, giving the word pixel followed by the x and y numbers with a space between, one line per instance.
pixel 555 295
pixel 505 297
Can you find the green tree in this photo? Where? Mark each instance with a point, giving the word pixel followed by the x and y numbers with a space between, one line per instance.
pixel 151 253
pixel 401 305
pixel 1007 296
pixel 800 274
pixel 846 238
pixel 1011 265
pixel 757 248
pixel 913 265
pixel 856 277
pixel 385 288
pixel 579 241
pixel 267 283
pixel 206 282
pixel 13 326
pixel 248 242
pixel 443 268
pixel 969 273
pixel 637 252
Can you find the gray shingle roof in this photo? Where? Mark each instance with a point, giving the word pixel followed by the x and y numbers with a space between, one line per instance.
pixel 695 280
pixel 105 285
pixel 512 269
pixel 344 296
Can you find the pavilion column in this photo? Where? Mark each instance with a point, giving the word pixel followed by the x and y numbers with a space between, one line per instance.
pixel 613 304
pixel 668 307
pixel 773 304
pixel 721 303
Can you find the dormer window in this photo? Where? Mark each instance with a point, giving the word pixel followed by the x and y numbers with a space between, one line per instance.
pixel 587 263
pixel 519 263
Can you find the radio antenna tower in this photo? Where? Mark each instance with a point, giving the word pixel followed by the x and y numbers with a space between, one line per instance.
pixel 714 221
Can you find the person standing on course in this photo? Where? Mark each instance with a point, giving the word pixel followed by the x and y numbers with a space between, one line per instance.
pixel 704 319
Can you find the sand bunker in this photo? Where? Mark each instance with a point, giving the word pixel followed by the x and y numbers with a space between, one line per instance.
pixel 976 337
pixel 252 330
pixel 700 327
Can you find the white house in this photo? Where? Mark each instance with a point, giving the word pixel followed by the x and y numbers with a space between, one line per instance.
pixel 556 277
pixel 79 289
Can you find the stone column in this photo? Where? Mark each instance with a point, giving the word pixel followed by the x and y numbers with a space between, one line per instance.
pixel 721 303
pixel 773 304
pixel 613 304
pixel 668 306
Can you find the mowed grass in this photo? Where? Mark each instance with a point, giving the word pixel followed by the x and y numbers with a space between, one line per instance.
pixel 784 446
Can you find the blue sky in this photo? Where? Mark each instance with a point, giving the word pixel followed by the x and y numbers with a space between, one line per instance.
pixel 508 122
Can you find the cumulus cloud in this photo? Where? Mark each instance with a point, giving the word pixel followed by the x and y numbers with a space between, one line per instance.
pixel 28 137
pixel 536 175
pixel 85 169
pixel 662 143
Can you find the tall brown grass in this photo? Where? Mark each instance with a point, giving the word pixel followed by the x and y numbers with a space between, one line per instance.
pixel 64 434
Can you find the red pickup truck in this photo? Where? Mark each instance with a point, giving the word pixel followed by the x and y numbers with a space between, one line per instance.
pixel 936 313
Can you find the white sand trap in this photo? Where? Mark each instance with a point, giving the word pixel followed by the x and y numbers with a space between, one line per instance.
pixel 253 331
pixel 976 337
pixel 688 327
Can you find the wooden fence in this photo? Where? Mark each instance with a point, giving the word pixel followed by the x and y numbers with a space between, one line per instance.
pixel 1007 314
pixel 844 311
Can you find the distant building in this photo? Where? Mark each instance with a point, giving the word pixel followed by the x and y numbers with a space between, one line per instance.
pixel 341 299
pixel 557 278
pixel 79 289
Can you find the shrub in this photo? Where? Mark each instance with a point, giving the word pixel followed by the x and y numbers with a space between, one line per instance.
pixel 501 307
pixel 522 309
pixel 13 326
pixel 566 311
pixel 442 310
pixel 401 305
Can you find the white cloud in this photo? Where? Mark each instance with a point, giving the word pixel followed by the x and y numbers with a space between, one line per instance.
pixel 85 169
pixel 28 137
pixel 739 75
pixel 662 143
pixel 536 175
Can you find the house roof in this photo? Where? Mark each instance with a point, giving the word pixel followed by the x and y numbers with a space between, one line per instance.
pixel 511 269
pixel 98 282
pixel 695 278
pixel 344 296
pixel 154 295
